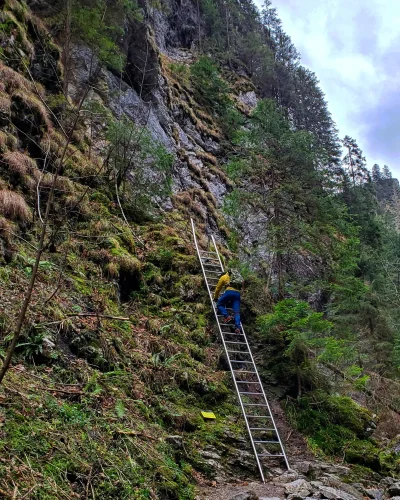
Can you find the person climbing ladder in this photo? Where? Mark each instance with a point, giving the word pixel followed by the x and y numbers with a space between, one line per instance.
pixel 232 281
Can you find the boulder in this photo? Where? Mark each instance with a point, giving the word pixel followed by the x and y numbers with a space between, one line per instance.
pixel 175 441
pixel 334 482
pixel 374 494
pixel 303 467
pixel 335 469
pixel 335 494
pixel 387 481
pixel 287 477
pixel 316 484
pixel 394 490
pixel 211 455
pixel 298 489
pixel 247 495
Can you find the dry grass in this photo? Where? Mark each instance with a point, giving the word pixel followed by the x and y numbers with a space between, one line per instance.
pixel 128 263
pixel 3 141
pixel 35 104
pixel 100 256
pixel 29 182
pixel 19 30
pixel 13 206
pixel 207 157
pixel 100 227
pixel 20 163
pixel 112 269
pixel 14 81
pixel 5 229
pixel 5 103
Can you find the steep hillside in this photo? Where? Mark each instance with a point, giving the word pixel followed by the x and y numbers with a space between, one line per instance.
pixel 120 122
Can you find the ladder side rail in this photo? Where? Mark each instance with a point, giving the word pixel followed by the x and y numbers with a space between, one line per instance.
pixel 260 468
pixel 257 375
pixel 216 249
pixel 265 397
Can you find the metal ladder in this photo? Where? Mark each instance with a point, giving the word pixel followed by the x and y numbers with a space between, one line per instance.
pixel 260 423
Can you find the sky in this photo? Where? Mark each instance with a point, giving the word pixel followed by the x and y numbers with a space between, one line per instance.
pixel 353 46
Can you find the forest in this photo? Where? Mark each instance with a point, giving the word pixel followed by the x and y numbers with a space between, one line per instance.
pixel 121 121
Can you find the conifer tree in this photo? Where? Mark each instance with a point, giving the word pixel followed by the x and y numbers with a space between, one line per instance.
pixel 387 174
pixel 376 173
pixel 354 162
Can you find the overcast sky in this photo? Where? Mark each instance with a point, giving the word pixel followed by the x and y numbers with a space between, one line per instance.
pixel 353 46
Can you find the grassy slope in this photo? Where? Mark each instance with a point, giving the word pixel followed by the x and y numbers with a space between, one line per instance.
pixel 89 402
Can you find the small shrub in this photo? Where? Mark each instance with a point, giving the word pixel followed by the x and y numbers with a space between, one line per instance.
pixel 14 206
pixel 181 72
pixel 210 89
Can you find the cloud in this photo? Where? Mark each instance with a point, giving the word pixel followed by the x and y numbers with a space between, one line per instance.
pixel 353 47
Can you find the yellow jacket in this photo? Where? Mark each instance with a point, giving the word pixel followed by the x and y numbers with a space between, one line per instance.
pixel 223 282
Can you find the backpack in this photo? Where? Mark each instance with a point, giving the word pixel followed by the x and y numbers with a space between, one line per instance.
pixel 235 279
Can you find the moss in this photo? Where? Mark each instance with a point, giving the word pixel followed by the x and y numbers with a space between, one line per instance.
pixel 337 425
pixel 27 101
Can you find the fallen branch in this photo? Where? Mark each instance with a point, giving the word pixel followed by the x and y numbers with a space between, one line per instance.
pixel 136 433
pixel 106 316
pixel 50 389
pixel 5 494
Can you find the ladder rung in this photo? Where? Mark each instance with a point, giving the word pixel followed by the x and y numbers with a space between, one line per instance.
pixel 254 404
pixel 261 429
pixel 238 361
pixel 259 441
pixel 258 416
pixel 242 371
pixel 269 455
pixel 212 269
pixel 252 393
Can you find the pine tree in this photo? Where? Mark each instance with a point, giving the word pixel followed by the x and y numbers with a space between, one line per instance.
pixel 354 162
pixel 376 173
pixel 387 174
pixel 309 111
pixel 278 179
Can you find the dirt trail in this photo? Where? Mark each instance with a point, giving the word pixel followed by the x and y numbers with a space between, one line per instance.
pixel 229 491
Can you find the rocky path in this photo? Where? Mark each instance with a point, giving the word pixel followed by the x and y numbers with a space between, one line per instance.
pixel 307 481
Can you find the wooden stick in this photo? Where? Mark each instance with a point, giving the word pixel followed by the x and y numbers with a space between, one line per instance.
pixel 107 316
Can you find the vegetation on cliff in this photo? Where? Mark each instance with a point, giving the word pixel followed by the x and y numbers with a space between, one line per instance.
pixel 115 356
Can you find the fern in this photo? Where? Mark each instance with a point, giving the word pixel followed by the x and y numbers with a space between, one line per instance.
pixel 120 409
